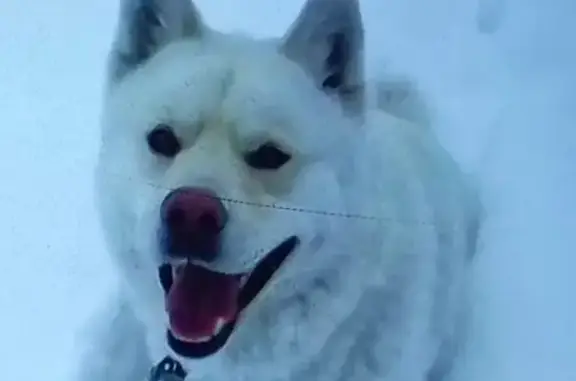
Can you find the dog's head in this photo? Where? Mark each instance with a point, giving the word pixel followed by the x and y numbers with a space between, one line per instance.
pixel 221 161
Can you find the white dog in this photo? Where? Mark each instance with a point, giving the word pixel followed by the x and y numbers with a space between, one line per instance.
pixel 271 216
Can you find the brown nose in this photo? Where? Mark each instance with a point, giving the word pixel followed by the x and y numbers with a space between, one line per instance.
pixel 192 220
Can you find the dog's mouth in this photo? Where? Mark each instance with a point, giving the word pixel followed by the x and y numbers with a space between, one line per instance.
pixel 204 306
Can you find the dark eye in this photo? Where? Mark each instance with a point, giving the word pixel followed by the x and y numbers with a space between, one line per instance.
pixel 267 157
pixel 162 141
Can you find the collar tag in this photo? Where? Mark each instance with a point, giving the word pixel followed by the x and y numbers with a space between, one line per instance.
pixel 167 370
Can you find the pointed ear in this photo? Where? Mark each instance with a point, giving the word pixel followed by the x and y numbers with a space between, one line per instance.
pixel 327 40
pixel 146 26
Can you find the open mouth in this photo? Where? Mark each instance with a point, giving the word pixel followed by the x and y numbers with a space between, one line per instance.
pixel 204 306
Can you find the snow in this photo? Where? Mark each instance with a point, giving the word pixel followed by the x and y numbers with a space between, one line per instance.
pixel 503 74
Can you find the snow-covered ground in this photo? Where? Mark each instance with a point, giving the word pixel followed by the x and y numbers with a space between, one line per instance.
pixel 503 74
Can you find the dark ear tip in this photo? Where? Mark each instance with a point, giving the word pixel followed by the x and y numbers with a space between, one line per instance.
pixel 145 26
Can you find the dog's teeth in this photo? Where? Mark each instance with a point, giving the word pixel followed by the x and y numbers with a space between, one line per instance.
pixel 174 270
pixel 177 268
pixel 220 323
pixel 244 279
pixel 201 339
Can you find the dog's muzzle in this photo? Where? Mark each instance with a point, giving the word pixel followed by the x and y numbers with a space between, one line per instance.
pixel 204 305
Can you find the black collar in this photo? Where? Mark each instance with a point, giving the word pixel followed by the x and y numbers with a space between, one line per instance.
pixel 167 370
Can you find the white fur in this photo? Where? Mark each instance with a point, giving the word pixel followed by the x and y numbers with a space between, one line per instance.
pixel 376 289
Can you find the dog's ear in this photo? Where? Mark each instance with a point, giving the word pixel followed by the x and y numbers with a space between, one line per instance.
pixel 146 26
pixel 327 40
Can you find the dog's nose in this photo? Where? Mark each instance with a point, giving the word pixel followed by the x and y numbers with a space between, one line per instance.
pixel 192 219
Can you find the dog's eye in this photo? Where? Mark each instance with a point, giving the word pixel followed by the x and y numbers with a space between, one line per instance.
pixel 163 141
pixel 267 157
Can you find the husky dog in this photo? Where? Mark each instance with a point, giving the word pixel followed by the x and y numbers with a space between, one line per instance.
pixel 271 215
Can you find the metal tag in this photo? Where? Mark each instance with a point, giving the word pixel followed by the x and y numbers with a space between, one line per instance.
pixel 167 370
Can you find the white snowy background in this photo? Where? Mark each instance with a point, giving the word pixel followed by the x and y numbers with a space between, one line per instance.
pixel 503 74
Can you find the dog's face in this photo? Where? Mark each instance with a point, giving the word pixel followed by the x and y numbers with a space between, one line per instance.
pixel 220 158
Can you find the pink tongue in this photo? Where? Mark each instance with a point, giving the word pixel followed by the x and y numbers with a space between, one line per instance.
pixel 198 299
